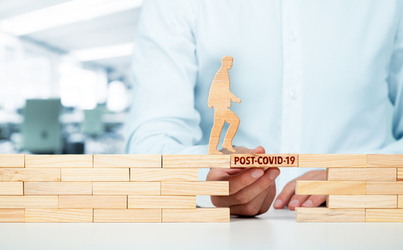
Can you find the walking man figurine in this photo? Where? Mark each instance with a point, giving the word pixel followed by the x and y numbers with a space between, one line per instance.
pixel 220 98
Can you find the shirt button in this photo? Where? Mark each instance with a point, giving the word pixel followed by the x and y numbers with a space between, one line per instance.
pixel 293 95
pixel 292 38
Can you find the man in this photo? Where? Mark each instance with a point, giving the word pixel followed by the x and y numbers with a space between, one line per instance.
pixel 220 97
pixel 314 77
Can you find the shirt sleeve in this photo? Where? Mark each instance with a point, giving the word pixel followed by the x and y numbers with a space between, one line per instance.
pixel 163 118
pixel 395 81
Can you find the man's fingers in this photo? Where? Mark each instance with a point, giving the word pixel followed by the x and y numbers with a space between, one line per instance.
pixel 284 197
pixel 268 200
pixel 252 207
pixel 314 201
pixel 244 179
pixel 296 201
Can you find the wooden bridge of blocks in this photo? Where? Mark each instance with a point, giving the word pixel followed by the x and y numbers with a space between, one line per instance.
pixel 163 188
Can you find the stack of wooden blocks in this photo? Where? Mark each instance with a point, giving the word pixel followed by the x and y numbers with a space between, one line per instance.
pixel 108 188
pixel 360 188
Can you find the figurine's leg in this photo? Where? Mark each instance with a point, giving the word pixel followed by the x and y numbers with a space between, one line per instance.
pixel 233 121
pixel 215 135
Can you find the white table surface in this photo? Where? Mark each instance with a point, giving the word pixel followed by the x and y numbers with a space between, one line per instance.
pixel 274 230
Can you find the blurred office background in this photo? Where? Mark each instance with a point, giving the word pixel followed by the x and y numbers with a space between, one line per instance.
pixel 65 81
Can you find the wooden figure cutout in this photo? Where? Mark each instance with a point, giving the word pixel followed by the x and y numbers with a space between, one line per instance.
pixel 220 98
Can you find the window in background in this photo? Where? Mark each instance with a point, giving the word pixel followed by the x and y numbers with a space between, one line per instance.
pixel 117 96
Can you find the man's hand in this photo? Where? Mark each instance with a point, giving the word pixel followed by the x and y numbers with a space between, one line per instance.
pixel 252 190
pixel 288 197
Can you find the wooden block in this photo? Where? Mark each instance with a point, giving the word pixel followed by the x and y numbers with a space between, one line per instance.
pixel 330 187
pixel 127 215
pixel 319 214
pixel 399 174
pixel 332 161
pixel 163 174
pixel 362 201
pixel 11 188
pixel 264 160
pixel 195 188
pixel 400 201
pixel 126 188
pixel 361 174
pixel 385 161
pixel 92 201
pixel 161 201
pixel 196 161
pixel 29 174
pixel 127 161
pixel 12 161
pixel 28 201
pixel 196 215
pixel 384 187
pixel 384 215
pixel 95 174
pixel 58 161
pixel 57 188
pixel 58 215
pixel 12 215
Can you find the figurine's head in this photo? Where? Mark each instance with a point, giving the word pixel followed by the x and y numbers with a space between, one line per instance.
pixel 227 62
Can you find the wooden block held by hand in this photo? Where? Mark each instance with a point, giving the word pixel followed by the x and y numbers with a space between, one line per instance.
pixel 11 188
pixel 162 201
pixel 332 161
pixel 29 202
pixel 196 161
pixel 330 187
pixel 377 187
pixel 67 201
pixel 319 214
pixel 12 161
pixel 127 161
pixel 264 160
pixel 57 188
pixel 195 188
pixel 361 174
pixel 58 215
pixel 384 215
pixel 29 174
pixel 95 174
pixel 385 161
pixel 12 215
pixel 362 201
pixel 126 188
pixel 58 161
pixel 196 215
pixel 163 174
pixel 132 215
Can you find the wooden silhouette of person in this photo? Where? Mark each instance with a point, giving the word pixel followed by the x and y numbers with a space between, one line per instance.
pixel 220 98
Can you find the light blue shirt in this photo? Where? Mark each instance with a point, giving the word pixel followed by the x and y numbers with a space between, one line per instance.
pixel 313 76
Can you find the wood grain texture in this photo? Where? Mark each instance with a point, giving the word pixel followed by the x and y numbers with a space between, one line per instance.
pixel 362 201
pixel 58 215
pixel 385 161
pixel 196 161
pixel 161 202
pixel 163 174
pixel 332 161
pixel 195 188
pixel 196 215
pixel 384 215
pixel 12 215
pixel 95 174
pixel 126 188
pixel 28 202
pixel 92 201
pixel 137 215
pixel 29 174
pixel 400 201
pixel 58 161
pixel 264 160
pixel 361 174
pixel 376 187
pixel 330 187
pixel 11 188
pixel 319 214
pixel 127 161
pixel 12 161
pixel 399 174
pixel 57 188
